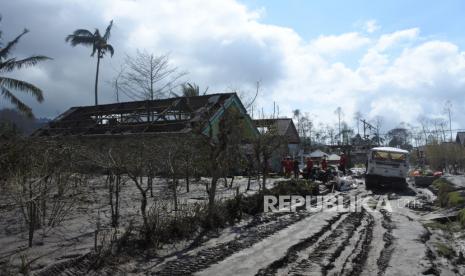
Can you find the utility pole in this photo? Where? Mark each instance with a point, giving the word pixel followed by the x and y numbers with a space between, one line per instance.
pixel 371 128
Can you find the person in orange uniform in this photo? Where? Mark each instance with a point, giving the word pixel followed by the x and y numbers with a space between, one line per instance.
pixel 343 163
pixel 324 164
pixel 309 168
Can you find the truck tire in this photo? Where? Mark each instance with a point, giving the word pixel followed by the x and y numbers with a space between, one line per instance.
pixel 369 182
pixel 403 185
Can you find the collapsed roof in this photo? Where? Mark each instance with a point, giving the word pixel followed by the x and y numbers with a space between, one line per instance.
pixel 173 115
pixel 283 126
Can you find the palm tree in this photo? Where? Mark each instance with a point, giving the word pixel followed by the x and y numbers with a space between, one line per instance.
pixel 8 85
pixel 190 90
pixel 99 45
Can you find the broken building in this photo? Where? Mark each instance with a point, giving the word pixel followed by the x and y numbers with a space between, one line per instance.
pixel 285 128
pixel 180 115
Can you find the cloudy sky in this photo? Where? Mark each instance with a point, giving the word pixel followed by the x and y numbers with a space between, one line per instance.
pixel 397 60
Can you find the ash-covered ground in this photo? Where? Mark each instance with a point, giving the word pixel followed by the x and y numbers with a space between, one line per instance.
pixel 398 238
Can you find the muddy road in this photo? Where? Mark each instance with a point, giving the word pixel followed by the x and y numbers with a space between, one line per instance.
pixel 388 241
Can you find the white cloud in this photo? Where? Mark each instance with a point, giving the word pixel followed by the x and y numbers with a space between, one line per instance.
pixel 331 44
pixel 388 40
pixel 371 26
pixel 400 75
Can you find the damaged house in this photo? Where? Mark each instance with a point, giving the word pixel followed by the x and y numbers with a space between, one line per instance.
pixel 181 126
pixel 181 130
pixel 286 129
pixel 180 115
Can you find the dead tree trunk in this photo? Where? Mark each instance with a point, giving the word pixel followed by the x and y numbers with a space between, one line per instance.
pixel 232 180
pixel 264 176
pixel 114 186
pixel 175 192
pixel 32 221
pixel 211 195
pixel 187 173
pixel 33 215
pixel 150 183
pixel 249 180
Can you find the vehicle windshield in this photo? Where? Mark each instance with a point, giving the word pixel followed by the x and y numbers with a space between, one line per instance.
pixel 389 156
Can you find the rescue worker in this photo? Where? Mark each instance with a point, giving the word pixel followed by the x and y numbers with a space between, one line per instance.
pixel 309 168
pixel 324 168
pixel 324 164
pixel 343 163
pixel 296 168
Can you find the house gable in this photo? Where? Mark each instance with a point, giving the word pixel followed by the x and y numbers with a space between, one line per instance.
pixel 460 138
pixel 233 104
pixel 292 133
pixel 284 127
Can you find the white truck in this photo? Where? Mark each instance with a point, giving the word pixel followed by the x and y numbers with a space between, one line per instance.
pixel 386 167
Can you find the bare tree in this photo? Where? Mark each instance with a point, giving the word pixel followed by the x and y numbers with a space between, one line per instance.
pixel 148 77
pixel 116 82
pixel 249 98
pixel 264 146
pixel 41 185
pixel 218 147
pixel 425 123
pixel 330 131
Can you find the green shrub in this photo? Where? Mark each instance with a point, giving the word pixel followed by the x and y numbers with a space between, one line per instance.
pixel 252 205
pixel 445 250
pixel 231 210
pixel 461 217
pixel 455 199
pixel 441 182
pixel 295 187
pixel 25 266
pixel 451 226
pixel 436 225
pixel 166 228
pixel 447 197
pixel 443 187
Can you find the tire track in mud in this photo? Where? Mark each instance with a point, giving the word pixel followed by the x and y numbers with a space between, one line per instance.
pixel 345 239
pixel 82 265
pixel 322 258
pixel 76 266
pixel 355 262
pixel 187 264
pixel 388 238
pixel 433 269
pixel 294 251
